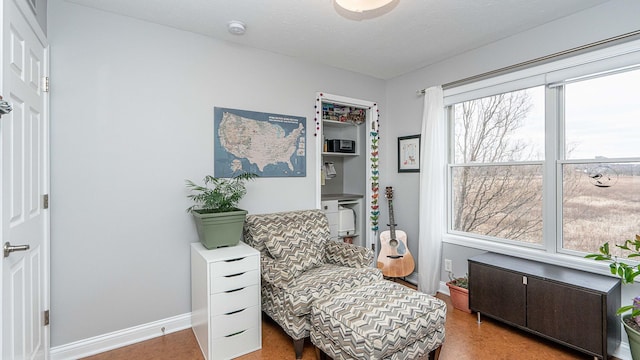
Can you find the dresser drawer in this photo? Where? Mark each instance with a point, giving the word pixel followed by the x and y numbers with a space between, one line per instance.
pixel 231 346
pixel 225 300
pixel 233 300
pixel 234 281
pixel 231 323
pixel 234 266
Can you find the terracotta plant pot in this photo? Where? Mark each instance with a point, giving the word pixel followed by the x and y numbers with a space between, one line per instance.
pixel 459 297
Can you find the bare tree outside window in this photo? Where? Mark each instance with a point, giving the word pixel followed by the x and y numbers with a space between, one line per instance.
pixel 497 164
pixel 493 194
pixel 497 168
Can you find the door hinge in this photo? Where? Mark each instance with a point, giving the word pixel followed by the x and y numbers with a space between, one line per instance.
pixel 45 201
pixel 46 317
pixel 45 84
pixel 524 280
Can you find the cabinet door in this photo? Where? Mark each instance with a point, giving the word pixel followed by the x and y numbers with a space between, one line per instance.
pixel 568 314
pixel 498 293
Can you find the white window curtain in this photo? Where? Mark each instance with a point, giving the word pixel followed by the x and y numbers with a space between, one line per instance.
pixel 432 190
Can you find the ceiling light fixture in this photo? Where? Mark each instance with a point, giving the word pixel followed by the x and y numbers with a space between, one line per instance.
pixel 236 27
pixel 359 6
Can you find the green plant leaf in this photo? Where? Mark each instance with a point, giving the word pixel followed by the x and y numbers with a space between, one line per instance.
pixel 624 309
pixel 218 194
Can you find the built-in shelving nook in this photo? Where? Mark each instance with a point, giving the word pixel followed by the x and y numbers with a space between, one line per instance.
pixel 347 185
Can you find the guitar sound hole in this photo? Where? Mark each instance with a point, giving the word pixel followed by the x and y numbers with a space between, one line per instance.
pixel 393 242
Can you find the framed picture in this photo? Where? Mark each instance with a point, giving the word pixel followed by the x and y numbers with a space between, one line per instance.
pixel 409 153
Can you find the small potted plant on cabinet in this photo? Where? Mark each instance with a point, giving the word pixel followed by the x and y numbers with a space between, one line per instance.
pixel 218 220
pixel 627 274
pixel 459 292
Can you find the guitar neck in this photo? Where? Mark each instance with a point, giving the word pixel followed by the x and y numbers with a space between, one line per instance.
pixel 392 222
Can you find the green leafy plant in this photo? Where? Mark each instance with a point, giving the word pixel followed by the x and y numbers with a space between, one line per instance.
pixel 462 282
pixel 626 272
pixel 218 194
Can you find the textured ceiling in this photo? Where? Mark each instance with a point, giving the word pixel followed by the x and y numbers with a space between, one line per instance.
pixel 407 35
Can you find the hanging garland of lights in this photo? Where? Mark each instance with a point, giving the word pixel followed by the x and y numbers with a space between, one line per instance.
pixel 375 172
pixel 318 107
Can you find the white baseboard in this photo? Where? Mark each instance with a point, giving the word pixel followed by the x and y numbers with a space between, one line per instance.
pixel 117 339
pixel 120 338
pixel 623 352
pixel 444 289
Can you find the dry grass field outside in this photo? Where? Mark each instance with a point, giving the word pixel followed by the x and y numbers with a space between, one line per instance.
pixel 594 211
pixel 594 215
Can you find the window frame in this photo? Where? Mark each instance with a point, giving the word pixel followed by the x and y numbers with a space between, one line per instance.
pixel 451 165
pixel 553 76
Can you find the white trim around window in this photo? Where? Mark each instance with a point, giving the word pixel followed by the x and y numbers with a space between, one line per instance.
pixel 554 75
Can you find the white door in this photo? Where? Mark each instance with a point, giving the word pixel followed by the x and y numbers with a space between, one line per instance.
pixel 24 172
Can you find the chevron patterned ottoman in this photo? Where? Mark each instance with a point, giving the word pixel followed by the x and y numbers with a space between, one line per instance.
pixel 382 320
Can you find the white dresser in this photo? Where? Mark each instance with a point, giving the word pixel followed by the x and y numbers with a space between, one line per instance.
pixel 225 300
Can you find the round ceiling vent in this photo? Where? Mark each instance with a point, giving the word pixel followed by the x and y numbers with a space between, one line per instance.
pixel 236 27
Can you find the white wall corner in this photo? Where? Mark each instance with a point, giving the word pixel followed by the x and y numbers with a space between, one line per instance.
pixel 623 352
pixel 120 338
pixel 444 289
pixel 412 278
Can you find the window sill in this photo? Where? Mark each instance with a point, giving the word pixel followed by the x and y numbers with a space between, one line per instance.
pixel 570 261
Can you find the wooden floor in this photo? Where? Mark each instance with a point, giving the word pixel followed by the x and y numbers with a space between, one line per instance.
pixel 465 340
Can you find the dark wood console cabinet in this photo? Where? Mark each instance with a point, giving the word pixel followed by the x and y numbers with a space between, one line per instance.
pixel 572 307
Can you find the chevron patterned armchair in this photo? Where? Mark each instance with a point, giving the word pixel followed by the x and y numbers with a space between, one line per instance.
pixel 299 264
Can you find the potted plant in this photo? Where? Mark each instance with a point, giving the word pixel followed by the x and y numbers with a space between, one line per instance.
pixel 218 220
pixel 627 274
pixel 459 292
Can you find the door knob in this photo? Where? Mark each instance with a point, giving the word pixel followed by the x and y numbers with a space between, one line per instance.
pixel 8 248
pixel 5 107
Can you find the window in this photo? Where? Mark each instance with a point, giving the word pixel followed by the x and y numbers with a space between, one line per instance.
pixel 548 158
pixel 600 169
pixel 496 177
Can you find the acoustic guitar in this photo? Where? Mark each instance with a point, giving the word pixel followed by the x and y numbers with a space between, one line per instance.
pixel 394 259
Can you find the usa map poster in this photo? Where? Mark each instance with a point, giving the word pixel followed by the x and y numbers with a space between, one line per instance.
pixel 270 145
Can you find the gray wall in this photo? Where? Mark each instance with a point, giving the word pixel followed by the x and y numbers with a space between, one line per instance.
pixel 131 118
pixel 404 107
